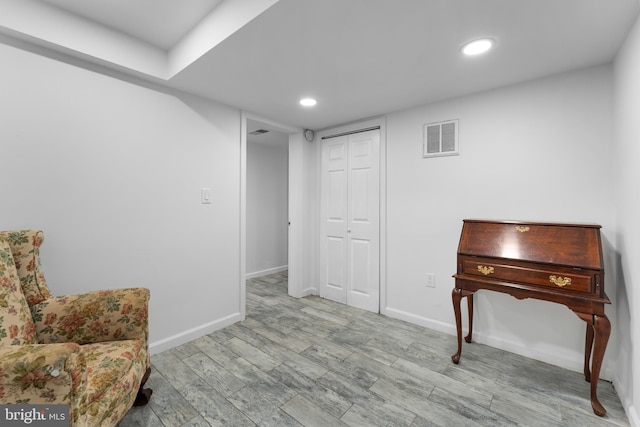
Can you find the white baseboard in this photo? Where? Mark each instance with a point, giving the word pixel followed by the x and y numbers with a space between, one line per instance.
pixel 567 361
pixel 418 320
pixel 193 333
pixel 267 271
pixel 634 417
pixel 305 293
pixel 629 409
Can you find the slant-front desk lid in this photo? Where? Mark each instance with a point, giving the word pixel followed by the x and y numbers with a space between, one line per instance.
pixel 575 245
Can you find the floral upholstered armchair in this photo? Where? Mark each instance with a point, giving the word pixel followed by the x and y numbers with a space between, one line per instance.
pixel 88 351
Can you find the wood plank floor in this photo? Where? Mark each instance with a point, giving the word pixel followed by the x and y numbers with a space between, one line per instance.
pixel 312 362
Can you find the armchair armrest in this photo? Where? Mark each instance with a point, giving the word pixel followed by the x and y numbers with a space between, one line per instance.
pixel 93 317
pixel 37 373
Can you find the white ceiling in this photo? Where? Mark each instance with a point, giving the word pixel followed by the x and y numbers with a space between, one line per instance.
pixel 359 58
pixel 161 23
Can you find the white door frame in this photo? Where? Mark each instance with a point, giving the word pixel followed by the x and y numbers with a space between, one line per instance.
pixel 295 240
pixel 351 128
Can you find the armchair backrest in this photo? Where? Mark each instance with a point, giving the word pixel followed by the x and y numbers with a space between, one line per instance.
pixel 16 323
pixel 25 246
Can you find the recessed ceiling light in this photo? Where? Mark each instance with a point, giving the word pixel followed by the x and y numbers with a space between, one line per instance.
pixel 477 47
pixel 308 102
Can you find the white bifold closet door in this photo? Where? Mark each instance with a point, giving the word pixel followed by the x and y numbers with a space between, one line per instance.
pixel 350 219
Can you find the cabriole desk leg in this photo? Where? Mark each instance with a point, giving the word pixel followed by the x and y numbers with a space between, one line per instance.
pixel 470 310
pixel 588 347
pixel 598 331
pixel 602 330
pixel 456 296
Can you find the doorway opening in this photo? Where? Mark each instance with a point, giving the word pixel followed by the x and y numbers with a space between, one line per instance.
pixel 267 200
pixel 269 238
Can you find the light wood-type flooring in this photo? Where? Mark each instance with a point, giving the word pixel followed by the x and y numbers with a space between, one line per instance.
pixel 313 362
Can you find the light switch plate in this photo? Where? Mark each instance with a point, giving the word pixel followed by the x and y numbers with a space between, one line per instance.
pixel 205 196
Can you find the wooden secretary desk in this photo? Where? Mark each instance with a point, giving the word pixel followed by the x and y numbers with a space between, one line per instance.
pixel 554 262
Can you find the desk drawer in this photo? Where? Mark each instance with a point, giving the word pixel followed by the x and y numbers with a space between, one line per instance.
pixel 562 278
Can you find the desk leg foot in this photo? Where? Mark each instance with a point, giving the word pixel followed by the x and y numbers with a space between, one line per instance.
pixel 456 296
pixel 598 409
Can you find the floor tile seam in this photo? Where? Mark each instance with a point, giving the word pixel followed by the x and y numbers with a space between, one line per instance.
pixel 275 347
pixel 470 407
pixel 248 416
pixel 281 407
pixel 279 344
pixel 437 375
pixel 171 382
pixel 385 401
pixel 507 392
pixel 400 404
pixel 293 328
pixel 181 395
pixel 548 415
pixel 309 397
pixel 222 393
pixel 395 372
pixel 339 320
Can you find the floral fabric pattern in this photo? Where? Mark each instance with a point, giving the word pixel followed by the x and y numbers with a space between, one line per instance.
pixel 91 350
pixel 16 323
pixel 113 376
pixel 93 317
pixel 42 374
pixel 25 246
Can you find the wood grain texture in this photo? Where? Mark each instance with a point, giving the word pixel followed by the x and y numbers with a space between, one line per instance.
pixel 345 366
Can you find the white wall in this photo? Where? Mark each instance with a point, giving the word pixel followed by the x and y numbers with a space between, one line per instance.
pixel 626 178
pixel 112 171
pixel 267 207
pixel 535 151
pixel 303 216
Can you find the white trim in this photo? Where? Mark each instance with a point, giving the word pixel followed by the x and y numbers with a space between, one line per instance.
pixel 267 271
pixel 380 122
pixel 306 292
pixel 294 262
pixel 627 404
pixel 436 325
pixel 563 361
pixel 193 333
pixel 272 124
pixel 296 213
pixel 243 216
pixel 633 415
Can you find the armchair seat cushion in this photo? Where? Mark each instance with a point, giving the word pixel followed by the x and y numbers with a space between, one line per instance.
pixel 114 371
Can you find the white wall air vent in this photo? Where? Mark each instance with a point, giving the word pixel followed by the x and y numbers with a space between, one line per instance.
pixel 440 139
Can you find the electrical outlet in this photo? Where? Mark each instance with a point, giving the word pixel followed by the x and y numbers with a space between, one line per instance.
pixel 431 280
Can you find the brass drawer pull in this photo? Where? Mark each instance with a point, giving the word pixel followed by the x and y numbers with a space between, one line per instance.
pixel 560 281
pixel 522 228
pixel 485 270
